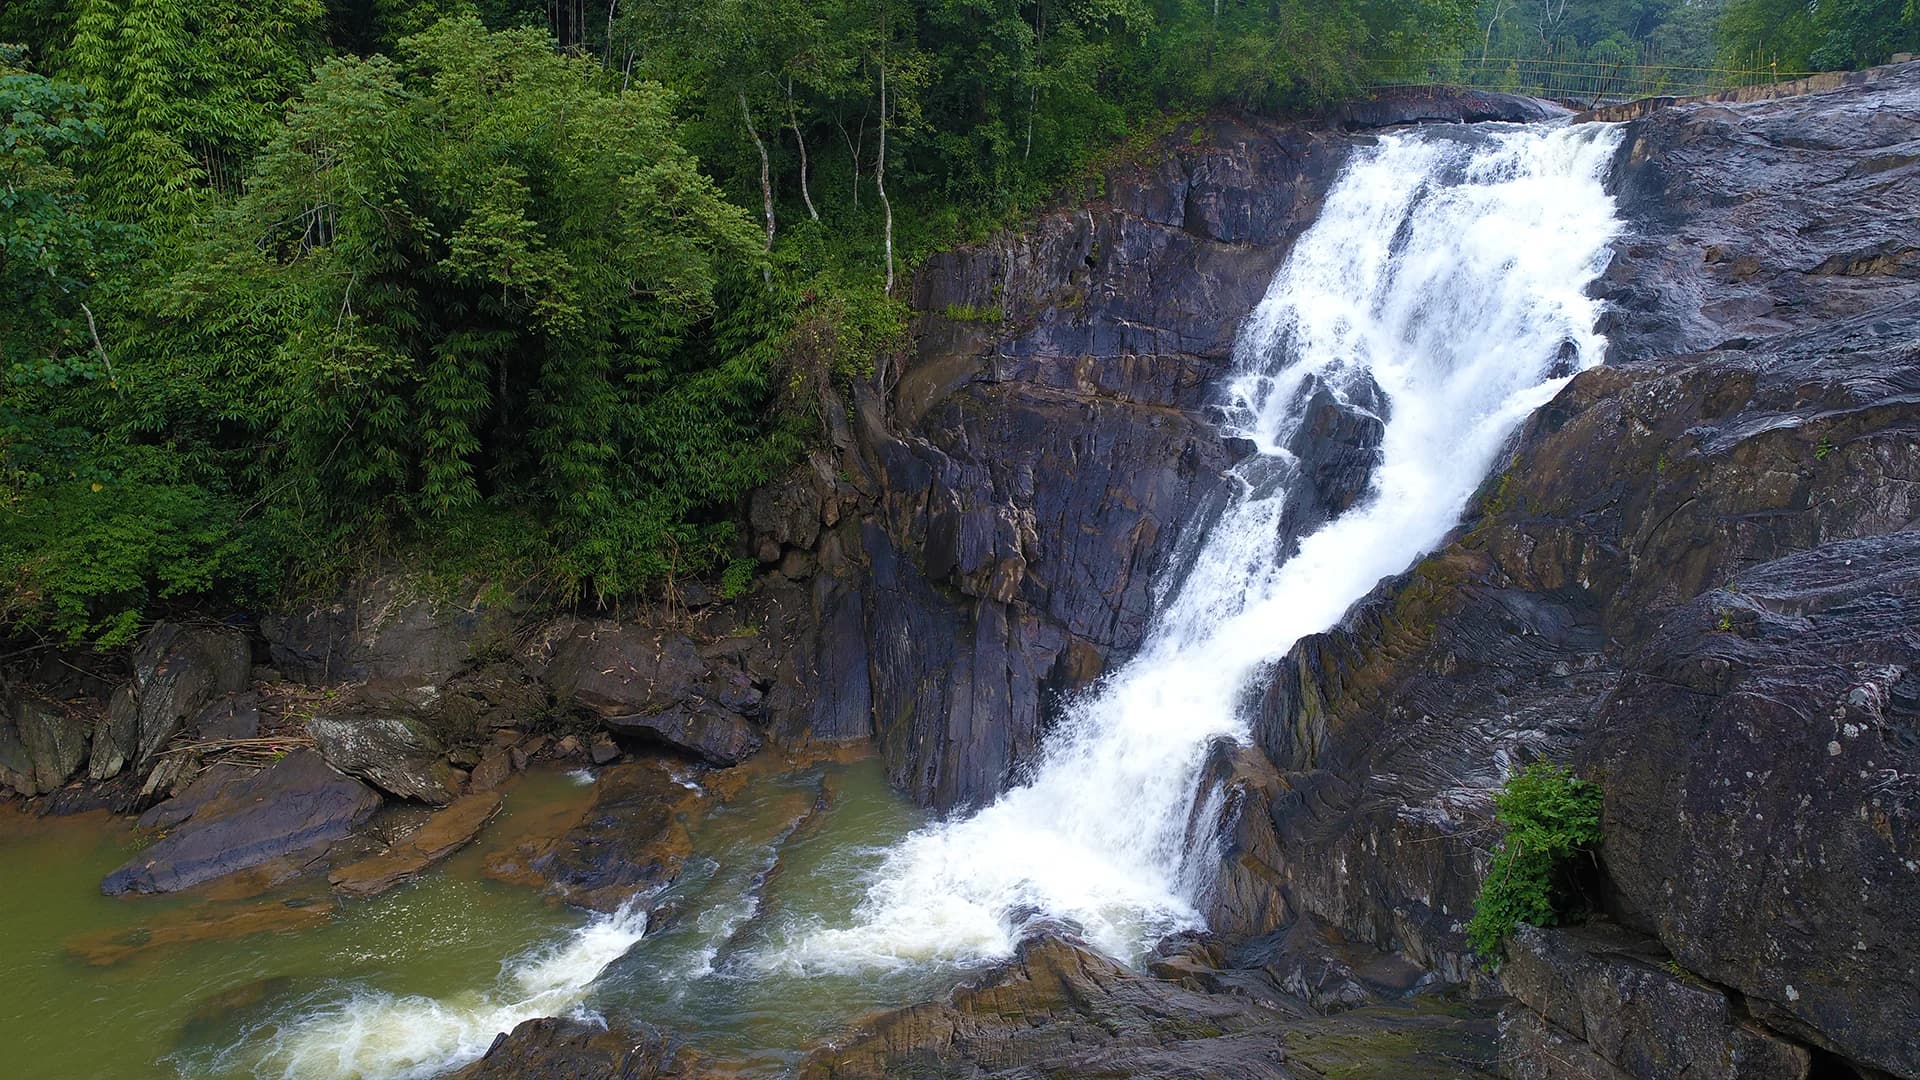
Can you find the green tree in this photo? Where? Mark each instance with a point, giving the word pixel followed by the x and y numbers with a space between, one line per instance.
pixel 1822 36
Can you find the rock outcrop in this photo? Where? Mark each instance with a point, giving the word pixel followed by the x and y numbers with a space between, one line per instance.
pixel 1045 448
pixel 1060 1010
pixel 236 822
pixel 1695 580
pixel 633 837
pixel 551 1048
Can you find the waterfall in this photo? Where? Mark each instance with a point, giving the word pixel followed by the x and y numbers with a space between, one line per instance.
pixel 1440 294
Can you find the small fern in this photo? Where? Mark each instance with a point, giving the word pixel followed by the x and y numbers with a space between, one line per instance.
pixel 1550 816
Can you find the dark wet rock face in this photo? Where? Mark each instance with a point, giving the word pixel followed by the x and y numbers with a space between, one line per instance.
pixel 177 672
pixel 297 805
pixel 1695 580
pixel 1394 106
pixel 1045 449
pixel 553 1048
pixel 1060 1010
pixel 1751 220
pixel 632 838
pixel 1623 1001
pixel 1763 814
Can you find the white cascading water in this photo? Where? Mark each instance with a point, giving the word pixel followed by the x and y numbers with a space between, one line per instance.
pixel 1450 268
pixel 410 1037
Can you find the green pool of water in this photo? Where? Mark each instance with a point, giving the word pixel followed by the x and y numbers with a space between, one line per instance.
pixel 412 983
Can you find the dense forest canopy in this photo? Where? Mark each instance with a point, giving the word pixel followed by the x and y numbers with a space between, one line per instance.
pixel 540 290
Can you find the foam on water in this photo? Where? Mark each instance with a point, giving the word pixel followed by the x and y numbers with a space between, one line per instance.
pixel 378 1034
pixel 1447 269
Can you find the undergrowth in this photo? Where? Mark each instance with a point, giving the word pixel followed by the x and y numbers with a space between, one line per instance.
pixel 1552 818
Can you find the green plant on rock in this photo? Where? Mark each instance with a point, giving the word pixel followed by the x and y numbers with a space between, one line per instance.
pixel 1551 817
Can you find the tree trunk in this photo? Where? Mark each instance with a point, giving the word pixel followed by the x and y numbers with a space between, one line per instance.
pixel 766 173
pixel 880 169
pixel 800 139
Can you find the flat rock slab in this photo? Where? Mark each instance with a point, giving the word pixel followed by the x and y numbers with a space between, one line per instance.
pixel 446 832
pixel 296 804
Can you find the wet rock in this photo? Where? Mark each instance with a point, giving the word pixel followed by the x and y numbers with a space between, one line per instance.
pixel 446 832
pixel 554 1048
pixel 177 671
pixel 496 765
pixel 1749 220
pixel 172 929
pixel 1046 446
pixel 602 750
pixel 632 838
pixel 1394 106
pixel 210 783
pixel 1334 453
pixel 41 744
pixel 1695 580
pixel 233 717
pixel 716 735
pixel 296 805
pixel 1763 815
pixel 387 626
pixel 1618 995
pixel 1060 1010
pixel 386 737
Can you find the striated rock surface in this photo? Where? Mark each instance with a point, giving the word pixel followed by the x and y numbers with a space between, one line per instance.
pixel 1060 1010
pixel 41 745
pixel 446 832
pixel 296 805
pixel 1618 994
pixel 178 670
pixel 1695 580
pixel 1045 448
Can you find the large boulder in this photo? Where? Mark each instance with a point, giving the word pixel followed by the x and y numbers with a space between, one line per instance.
pixel 657 685
pixel 1617 996
pixel 42 745
pixel 1762 765
pixel 387 736
pixel 178 670
pixel 298 804
pixel 390 626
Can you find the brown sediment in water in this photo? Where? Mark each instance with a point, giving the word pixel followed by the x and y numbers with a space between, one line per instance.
pixel 175 928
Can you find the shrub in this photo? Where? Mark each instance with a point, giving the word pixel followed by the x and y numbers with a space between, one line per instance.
pixel 1551 816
